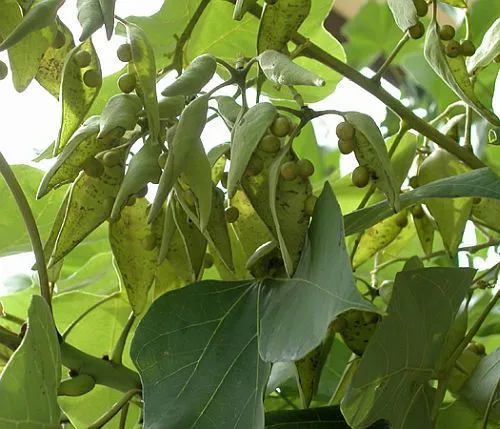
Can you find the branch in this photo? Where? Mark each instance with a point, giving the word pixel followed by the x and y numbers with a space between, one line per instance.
pixel 114 410
pixel 29 221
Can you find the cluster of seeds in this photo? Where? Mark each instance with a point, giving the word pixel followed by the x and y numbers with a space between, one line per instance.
pixel 453 48
pixel 418 30
pixel 127 82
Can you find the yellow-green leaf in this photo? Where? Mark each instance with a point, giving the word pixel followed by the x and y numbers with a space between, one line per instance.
pixel 425 231
pixel 121 111
pixel 166 279
pixel 487 211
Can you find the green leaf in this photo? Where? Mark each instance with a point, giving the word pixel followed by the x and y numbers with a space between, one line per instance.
pixel 401 357
pixel 404 12
pixel 482 384
pixel 121 111
pixel 136 261
pixel 143 168
pixel 454 73
pixel 192 361
pixel 425 230
pixel 76 96
pixel 189 129
pixel 246 136
pixel 90 17
pixel 228 108
pixel 15 238
pixel 194 78
pixel 143 65
pixel 322 288
pixel 487 211
pixel 280 69
pixel 478 183
pixel 108 13
pixel 41 14
pixel 488 50
pixel 460 415
pixel 370 151
pixel 25 56
pixel 171 107
pixel 28 384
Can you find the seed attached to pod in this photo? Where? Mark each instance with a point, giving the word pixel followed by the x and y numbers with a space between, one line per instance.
pixel 162 159
pixel 111 159
pixel 131 200
pixel 208 262
pixel 401 220
pixel 346 146
pixel 417 31
pixel 232 214
pixel 270 144
pixel 289 170
pixel 223 179
pixel 83 59
pixel 309 205
pixel 149 242
pixel 255 166
pixel 91 78
pixel 497 58
pixel 59 40
pixel 141 193
pixel 345 131
pixel 281 126
pixel 418 212
pixel 446 32
pixel 338 325
pixel 476 348
pixel 370 317
pixel 467 48
pixel 127 82
pixel 413 182
pixel 452 49
pixel 360 176
pixel 4 70
pixel 93 168
pixel 306 168
pixel 421 6
pixel 124 53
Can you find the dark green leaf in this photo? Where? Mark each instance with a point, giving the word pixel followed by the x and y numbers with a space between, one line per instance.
pixel 108 13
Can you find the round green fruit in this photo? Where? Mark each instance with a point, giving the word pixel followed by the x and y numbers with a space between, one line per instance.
pixel 59 40
pixel 360 176
pixel 345 131
pixel 467 48
pixel 223 179
pixel 289 170
pixel 111 159
pixel 92 79
pixel 127 82
pixel 131 200
pixel 124 53
pixel 309 205
pixel 208 262
pixel 270 144
pixel 418 212
pixel 281 126
pixel 4 70
pixel 417 31
pixel 401 220
pixel 232 214
pixel 93 168
pixel 306 168
pixel 255 166
pixel 446 32
pixel 82 59
pixel 452 49
pixel 421 6
pixel 346 146
pixel 413 182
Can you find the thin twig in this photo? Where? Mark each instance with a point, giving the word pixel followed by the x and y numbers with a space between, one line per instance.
pixel 390 58
pixel 12 318
pixel 117 355
pixel 114 410
pixel 489 407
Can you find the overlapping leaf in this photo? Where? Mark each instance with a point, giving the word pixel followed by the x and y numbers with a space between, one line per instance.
pixel 121 111
pixel 488 50
pixel 404 12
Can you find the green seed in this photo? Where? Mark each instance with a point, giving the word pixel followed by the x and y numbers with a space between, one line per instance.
pixel 467 48
pixel 208 262
pixel 281 126
pixel 338 325
pixel 149 242
pixel 270 144
pixel 93 168
pixel 346 146
pixel 417 212
pixel 306 168
pixel 417 31
pixel 421 6
pixel 345 131
pixel 127 82
pixel 131 200
pixel 413 182
pixel 92 79
pixel 255 166
pixel 59 40
pixel 4 70
pixel 401 220
pixel 82 59
pixel 289 170
pixel 162 159
pixel 124 53
pixel 309 205
pixel 111 159
pixel 232 214
pixel 360 176
pixel 452 49
pixel 223 179
pixel 446 32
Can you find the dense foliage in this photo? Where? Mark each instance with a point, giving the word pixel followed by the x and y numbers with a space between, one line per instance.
pixel 244 283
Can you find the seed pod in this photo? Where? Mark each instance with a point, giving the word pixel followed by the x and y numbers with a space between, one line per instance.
pixel 346 146
pixel 232 214
pixel 289 170
pixel 338 325
pixel 127 82
pixel 59 40
pixel 306 168
pixel 417 31
pixel 92 79
pixel 401 220
pixel 422 7
pixel 76 386
pixel 124 52
pixel 162 159
pixel 270 144
pixel 111 159
pixel 418 212
pixel 82 59
pixel 446 32
pixel 255 166
pixel 4 70
pixel 360 176
pixel 149 242
pixel 452 49
pixel 345 131
pixel 467 48
pixel 131 200
pixel 281 126
pixel 413 182
pixel 310 204
pixel 93 168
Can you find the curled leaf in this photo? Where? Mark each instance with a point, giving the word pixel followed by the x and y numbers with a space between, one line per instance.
pixel 280 69
pixel 194 78
pixel 404 12
pixel 487 51
pixel 121 111
pixel 90 17
pixel 108 14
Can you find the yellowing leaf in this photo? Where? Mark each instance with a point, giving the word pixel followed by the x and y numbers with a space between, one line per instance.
pixel 76 95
